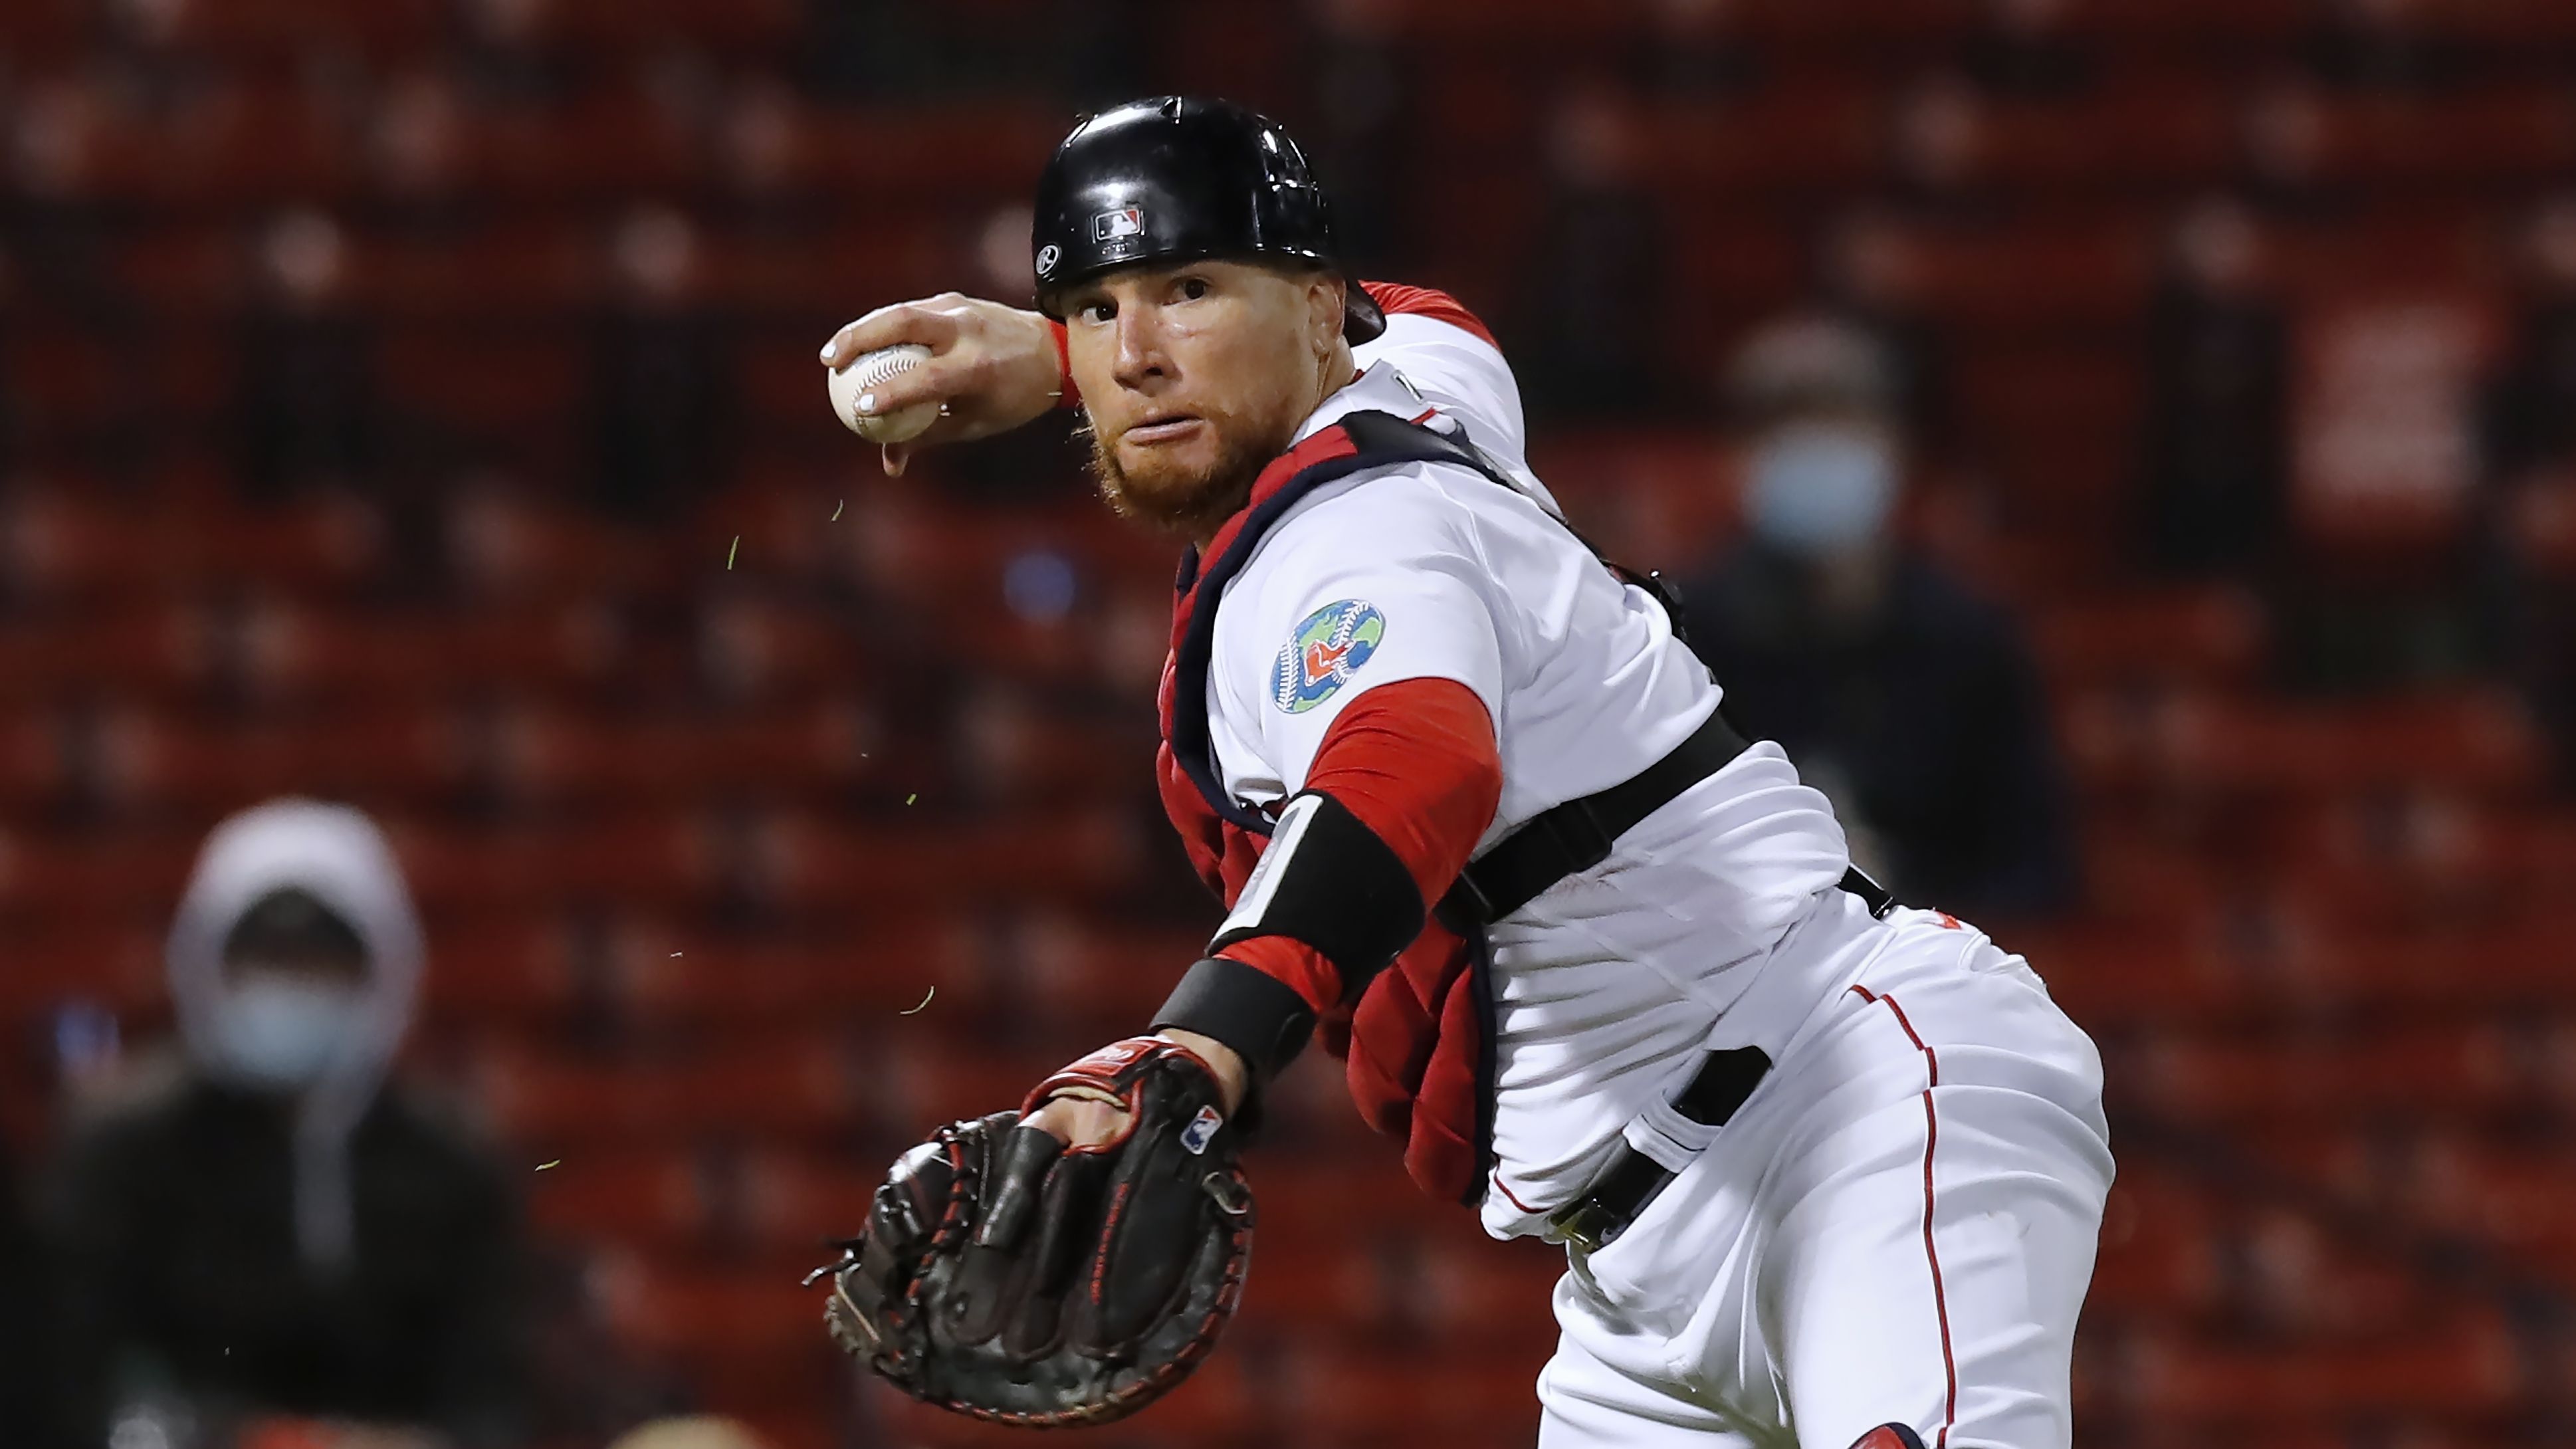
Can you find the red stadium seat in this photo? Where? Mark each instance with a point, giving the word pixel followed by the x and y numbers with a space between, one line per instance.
pixel 615 26
pixel 2192 31
pixel 33 768
pixel 40 34
pixel 1785 139
pixel 610 142
pixel 163 651
pixel 2025 278
pixel 490 970
pixel 1081 970
pixel 1786 25
pixel 508 271
pixel 863 971
pixel 745 1333
pixel 803 862
pixel 2206 634
pixel 2473 741
pixel 2486 137
pixel 2462 1367
pixel 2420 1070
pixel 2160 1258
pixel 130 873
pixel 563 755
pixel 2064 423
pixel 491 387
pixel 63 545
pixel 647 860
pixel 908 157
pixel 1476 1291
pixel 640 1198
pixel 274 34
pixel 254 144
pixel 798 1085
pixel 2121 140
pixel 1351 1396
pixel 111 962
pixel 402 757
pixel 294 653
pixel 796 1202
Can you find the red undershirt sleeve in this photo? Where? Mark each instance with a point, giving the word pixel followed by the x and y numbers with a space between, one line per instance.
pixel 1416 760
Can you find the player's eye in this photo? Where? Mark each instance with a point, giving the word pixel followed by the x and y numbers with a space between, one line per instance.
pixel 1194 288
pixel 1100 310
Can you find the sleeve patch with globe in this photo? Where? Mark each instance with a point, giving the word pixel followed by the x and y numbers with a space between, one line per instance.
pixel 1329 646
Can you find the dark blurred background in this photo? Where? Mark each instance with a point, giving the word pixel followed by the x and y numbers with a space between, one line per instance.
pixel 2126 449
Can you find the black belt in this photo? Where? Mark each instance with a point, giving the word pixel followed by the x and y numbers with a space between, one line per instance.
pixel 1577 835
pixel 1622 1190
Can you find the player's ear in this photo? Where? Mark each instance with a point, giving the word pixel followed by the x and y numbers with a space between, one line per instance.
pixel 1324 292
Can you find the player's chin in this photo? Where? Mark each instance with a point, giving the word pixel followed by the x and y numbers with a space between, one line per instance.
pixel 1170 463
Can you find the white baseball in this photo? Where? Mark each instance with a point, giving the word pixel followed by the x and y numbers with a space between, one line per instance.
pixel 864 374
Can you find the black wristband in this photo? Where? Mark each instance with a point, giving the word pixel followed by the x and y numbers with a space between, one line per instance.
pixel 1256 1015
pixel 1328 880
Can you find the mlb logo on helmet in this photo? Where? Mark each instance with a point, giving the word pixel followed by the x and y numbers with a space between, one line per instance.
pixel 1111 225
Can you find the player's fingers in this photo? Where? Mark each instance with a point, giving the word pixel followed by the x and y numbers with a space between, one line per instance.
pixel 897 457
pixel 942 378
pixel 903 322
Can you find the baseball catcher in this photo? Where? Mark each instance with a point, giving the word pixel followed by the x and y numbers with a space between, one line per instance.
pixel 1828 1170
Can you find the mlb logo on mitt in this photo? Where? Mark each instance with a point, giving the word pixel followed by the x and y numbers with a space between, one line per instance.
pixel 1194 1137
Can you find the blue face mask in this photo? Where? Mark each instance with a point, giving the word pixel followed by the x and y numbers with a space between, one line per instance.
pixel 1818 488
pixel 281 1034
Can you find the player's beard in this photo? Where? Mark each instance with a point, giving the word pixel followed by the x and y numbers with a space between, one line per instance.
pixel 1192 503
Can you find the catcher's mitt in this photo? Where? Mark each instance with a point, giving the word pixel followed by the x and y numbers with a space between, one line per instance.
pixel 1008 1278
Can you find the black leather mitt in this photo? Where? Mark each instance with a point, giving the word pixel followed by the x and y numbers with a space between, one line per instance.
pixel 1008 1278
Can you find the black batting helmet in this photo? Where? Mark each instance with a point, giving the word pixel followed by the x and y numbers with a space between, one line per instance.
pixel 1172 178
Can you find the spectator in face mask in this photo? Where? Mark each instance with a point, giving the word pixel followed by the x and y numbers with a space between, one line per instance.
pixel 1908 699
pixel 269 1226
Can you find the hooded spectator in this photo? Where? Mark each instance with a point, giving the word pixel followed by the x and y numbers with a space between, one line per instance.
pixel 274 1226
pixel 1899 692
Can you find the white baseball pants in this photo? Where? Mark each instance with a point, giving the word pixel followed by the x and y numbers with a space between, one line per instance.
pixel 1898 1226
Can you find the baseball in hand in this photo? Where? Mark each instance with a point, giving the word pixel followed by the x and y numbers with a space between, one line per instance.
pixel 863 375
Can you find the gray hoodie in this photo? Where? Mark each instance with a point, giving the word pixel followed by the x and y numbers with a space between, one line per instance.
pixel 339 856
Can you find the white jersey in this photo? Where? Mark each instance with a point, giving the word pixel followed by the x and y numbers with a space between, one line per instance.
pixel 1704 927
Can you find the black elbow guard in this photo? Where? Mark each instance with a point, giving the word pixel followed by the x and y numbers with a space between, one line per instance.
pixel 1326 880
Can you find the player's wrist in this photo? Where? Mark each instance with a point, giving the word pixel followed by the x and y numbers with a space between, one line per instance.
pixel 1233 1075
pixel 1251 1023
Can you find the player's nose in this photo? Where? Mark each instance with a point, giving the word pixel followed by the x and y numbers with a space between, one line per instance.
pixel 1140 359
